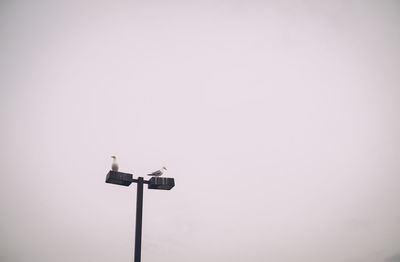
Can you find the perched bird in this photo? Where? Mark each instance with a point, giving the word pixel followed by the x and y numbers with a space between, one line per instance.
pixel 114 166
pixel 158 172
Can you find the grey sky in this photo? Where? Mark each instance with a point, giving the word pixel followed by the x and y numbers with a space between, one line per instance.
pixel 280 122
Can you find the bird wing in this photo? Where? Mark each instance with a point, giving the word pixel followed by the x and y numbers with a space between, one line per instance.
pixel 156 173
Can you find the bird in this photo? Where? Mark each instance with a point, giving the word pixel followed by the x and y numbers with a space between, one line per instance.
pixel 158 172
pixel 114 166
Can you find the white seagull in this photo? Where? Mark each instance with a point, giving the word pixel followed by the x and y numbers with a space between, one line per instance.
pixel 114 166
pixel 158 172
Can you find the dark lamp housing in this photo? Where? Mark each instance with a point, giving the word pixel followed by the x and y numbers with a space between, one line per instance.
pixel 119 178
pixel 163 183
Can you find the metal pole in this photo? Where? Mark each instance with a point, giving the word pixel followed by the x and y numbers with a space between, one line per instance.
pixel 139 213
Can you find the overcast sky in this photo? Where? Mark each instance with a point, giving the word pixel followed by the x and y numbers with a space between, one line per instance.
pixel 279 121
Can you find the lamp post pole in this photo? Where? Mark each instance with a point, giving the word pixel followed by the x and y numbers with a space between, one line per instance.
pixel 125 179
pixel 139 215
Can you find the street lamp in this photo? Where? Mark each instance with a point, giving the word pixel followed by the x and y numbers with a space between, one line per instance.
pixel 125 179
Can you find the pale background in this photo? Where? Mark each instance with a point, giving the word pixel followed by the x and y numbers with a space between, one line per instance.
pixel 280 122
